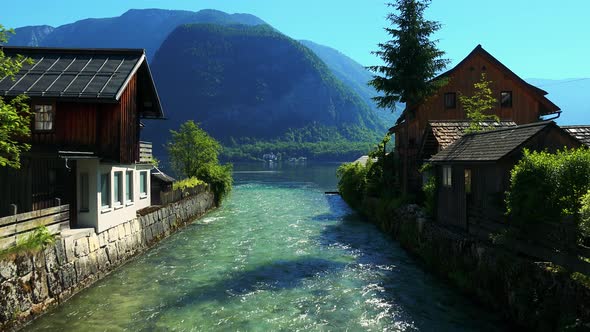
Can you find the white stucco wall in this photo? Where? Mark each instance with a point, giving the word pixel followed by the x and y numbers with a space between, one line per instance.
pixel 102 218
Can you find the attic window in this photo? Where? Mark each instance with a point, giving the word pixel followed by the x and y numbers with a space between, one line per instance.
pixel 506 99
pixel 44 115
pixel 450 100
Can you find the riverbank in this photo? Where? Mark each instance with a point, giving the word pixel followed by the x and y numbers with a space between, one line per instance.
pixel 32 283
pixel 539 296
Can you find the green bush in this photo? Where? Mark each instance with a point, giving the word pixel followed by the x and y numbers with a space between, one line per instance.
pixel 548 187
pixel 219 177
pixel 429 189
pixel 187 183
pixel 585 215
pixel 352 183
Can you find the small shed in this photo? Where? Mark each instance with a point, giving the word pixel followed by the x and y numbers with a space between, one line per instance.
pixel 473 173
pixel 161 182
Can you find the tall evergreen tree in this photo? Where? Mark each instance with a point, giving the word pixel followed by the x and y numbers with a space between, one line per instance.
pixel 411 58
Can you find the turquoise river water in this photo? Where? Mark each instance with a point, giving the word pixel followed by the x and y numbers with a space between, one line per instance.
pixel 280 255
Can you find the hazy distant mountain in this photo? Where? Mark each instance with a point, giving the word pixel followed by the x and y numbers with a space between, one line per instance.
pixel 354 75
pixel 137 28
pixel 572 95
pixel 242 81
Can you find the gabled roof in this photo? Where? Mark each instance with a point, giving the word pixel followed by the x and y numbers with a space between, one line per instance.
pixel 448 131
pixel 490 145
pixel 548 106
pixel 97 75
pixel 582 133
pixel 158 174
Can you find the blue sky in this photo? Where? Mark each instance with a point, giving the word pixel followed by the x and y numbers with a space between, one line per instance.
pixel 536 39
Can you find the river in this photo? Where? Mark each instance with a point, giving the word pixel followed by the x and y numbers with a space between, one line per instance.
pixel 278 255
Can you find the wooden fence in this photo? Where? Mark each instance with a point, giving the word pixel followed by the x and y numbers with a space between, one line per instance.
pixel 145 152
pixel 167 197
pixel 19 226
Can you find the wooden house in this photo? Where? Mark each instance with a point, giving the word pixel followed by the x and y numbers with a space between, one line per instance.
pixel 517 101
pixel 85 130
pixel 161 182
pixel 473 173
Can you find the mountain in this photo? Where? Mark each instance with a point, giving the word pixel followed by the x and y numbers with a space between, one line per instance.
pixel 253 82
pixel 137 28
pixel 571 95
pixel 354 75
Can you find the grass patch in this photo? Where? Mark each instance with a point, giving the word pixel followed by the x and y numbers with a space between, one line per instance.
pixel 37 240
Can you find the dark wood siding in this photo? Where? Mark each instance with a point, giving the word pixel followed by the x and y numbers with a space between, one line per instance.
pixel 109 130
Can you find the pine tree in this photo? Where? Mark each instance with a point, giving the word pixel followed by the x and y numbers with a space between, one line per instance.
pixel 411 58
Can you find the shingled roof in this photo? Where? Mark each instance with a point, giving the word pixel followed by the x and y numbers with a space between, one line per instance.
pixel 582 133
pixel 489 145
pixel 448 131
pixel 98 75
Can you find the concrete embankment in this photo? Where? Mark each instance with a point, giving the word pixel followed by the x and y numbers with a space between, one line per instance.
pixel 31 283
pixel 534 295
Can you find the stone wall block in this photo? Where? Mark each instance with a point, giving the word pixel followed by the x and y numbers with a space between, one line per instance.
pixel 24 264
pixel 102 260
pixel 68 276
pixel 9 306
pixel 7 270
pixel 60 252
pixel 103 239
pixel 54 283
pixel 24 291
pixel 81 247
pixel 93 243
pixel 40 288
pixel 82 266
pixel 127 229
pixel 112 253
pixel 121 231
pixel 93 263
pixel 51 263
pixel 113 234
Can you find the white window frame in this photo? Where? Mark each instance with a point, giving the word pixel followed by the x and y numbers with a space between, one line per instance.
pixel 143 181
pixel 118 189
pixel 129 187
pixel 105 208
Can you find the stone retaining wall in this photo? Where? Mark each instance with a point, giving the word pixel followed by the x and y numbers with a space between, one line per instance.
pixel 32 283
pixel 534 295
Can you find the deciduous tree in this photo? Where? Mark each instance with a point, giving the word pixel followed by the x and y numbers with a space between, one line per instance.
pixel 14 113
pixel 478 105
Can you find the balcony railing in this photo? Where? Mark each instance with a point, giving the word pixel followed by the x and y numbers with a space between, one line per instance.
pixel 145 152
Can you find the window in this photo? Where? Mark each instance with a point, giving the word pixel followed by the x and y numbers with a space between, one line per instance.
pixel 450 100
pixel 84 198
pixel 468 181
pixel 129 186
pixel 44 117
pixel 506 99
pixel 118 188
pixel 447 176
pixel 143 183
pixel 105 190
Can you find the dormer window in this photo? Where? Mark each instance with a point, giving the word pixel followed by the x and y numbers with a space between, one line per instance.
pixel 506 99
pixel 44 115
pixel 450 100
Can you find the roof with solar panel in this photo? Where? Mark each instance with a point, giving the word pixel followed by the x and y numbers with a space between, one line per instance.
pixel 99 75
